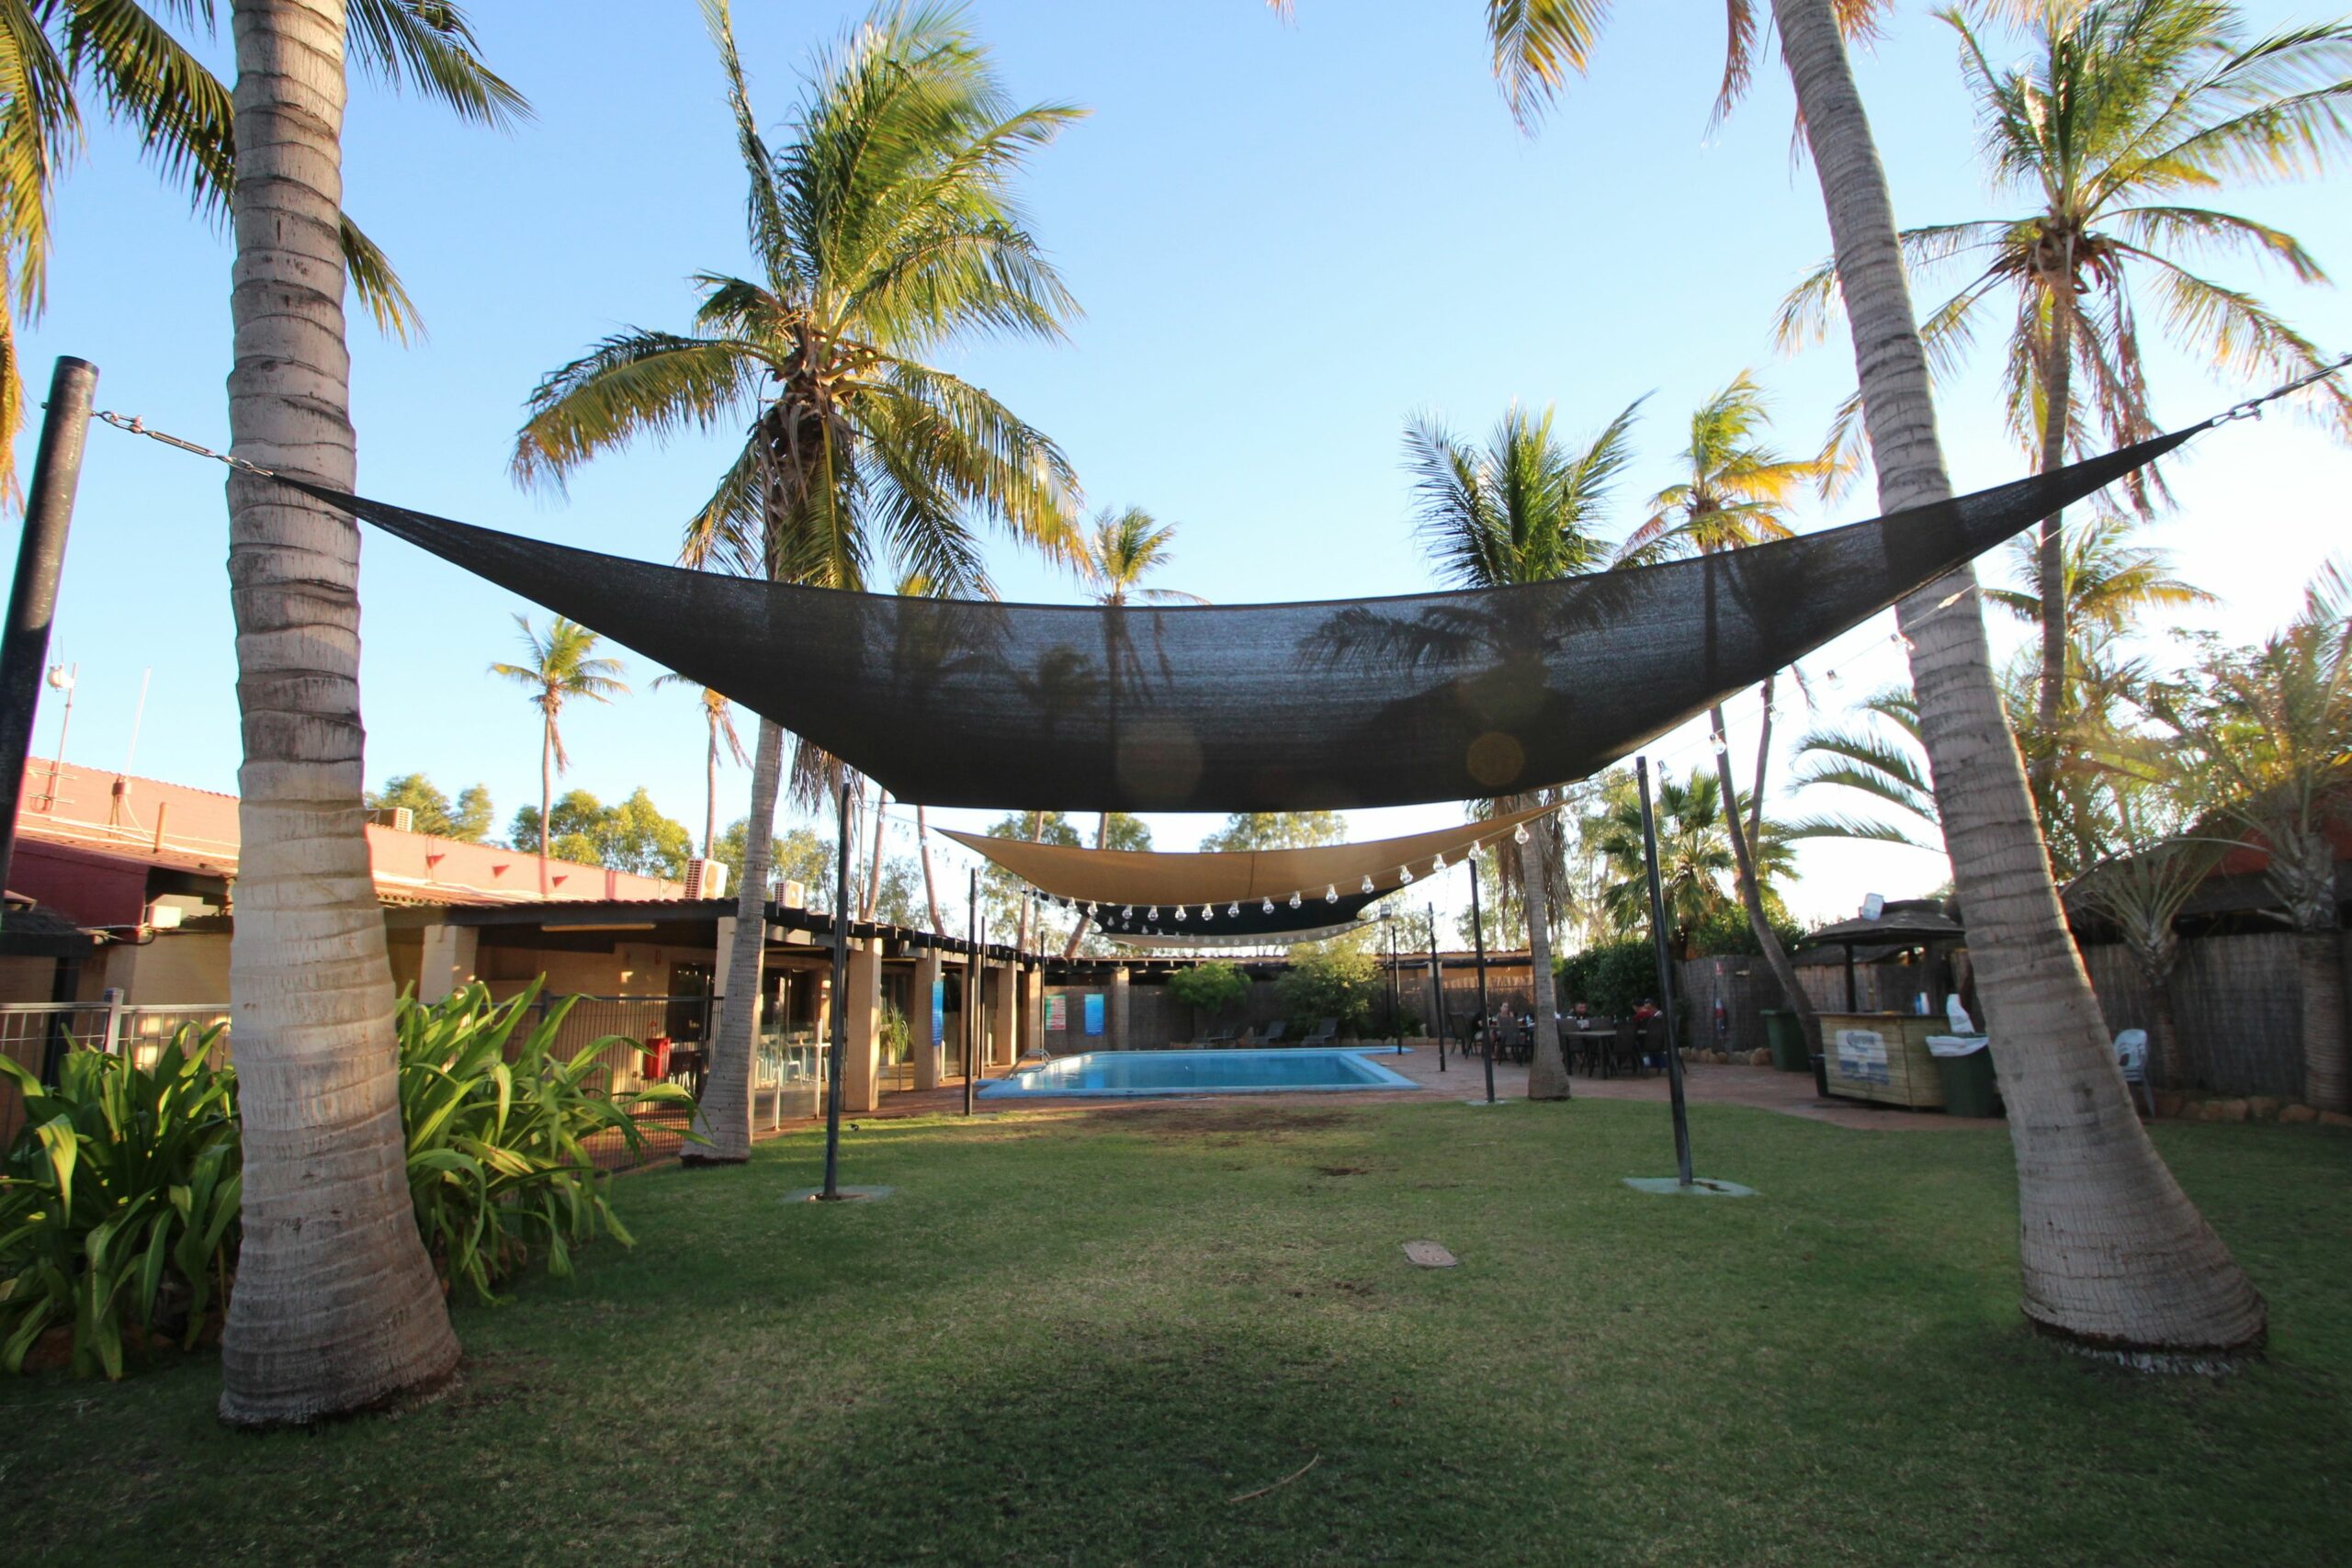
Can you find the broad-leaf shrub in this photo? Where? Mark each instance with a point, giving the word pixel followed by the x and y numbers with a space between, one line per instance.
pixel 497 1157
pixel 118 1201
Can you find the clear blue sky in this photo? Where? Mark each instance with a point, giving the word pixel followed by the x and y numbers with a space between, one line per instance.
pixel 1285 238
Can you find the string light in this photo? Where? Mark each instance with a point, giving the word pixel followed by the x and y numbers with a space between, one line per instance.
pixel 1437 864
pixel 1268 906
pixel 1367 883
pixel 1404 874
pixel 1208 912
pixel 1127 912
pixel 1331 893
pixel 1233 911
pixel 1294 899
pixel 1179 912
pixel 1153 913
pixel 1518 834
pixel 1472 853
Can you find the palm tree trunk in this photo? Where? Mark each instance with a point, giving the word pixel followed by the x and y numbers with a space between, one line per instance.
pixel 873 900
pixel 2320 969
pixel 1547 1069
pixel 929 889
pixel 725 1114
pixel 2113 1252
pixel 547 791
pixel 336 1308
pixel 710 795
pixel 1751 891
pixel 2057 379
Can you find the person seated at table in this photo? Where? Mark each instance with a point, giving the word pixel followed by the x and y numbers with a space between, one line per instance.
pixel 1583 1015
pixel 1647 1012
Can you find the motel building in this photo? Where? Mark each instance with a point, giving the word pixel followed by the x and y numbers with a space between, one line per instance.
pixel 122 896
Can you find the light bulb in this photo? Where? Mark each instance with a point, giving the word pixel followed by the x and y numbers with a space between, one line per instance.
pixel 1267 907
pixel 1519 834
pixel 1294 900
pixel 1437 862
pixel 1208 911
pixel 1127 912
pixel 1717 742
pixel 1404 874
pixel 1367 883
pixel 1331 893
pixel 1233 911
pixel 1090 910
pixel 1153 913
pixel 1473 855
pixel 1180 911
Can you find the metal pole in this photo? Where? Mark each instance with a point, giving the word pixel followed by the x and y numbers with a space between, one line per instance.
pixel 1665 977
pixel 1437 989
pixel 972 991
pixel 40 558
pixel 1396 1018
pixel 1486 1024
pixel 841 1005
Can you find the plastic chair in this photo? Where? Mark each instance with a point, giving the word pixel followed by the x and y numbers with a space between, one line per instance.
pixel 2131 1055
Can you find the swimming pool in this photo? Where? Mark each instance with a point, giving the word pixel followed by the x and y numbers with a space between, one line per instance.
pixel 1104 1073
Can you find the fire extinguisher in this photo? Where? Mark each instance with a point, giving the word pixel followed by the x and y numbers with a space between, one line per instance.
pixel 1722 1021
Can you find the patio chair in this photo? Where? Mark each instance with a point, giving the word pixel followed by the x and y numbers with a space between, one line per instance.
pixel 1624 1050
pixel 1274 1035
pixel 1326 1032
pixel 2131 1055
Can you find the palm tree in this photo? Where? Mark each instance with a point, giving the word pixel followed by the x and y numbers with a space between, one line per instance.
pixel 2113 1252
pixel 2123 108
pixel 1891 773
pixel 1736 491
pixel 1522 510
pixel 2108 582
pixel 2142 891
pixel 884 229
pixel 719 717
pixel 1698 873
pixel 185 121
pixel 337 1307
pixel 1116 555
pixel 2272 729
pixel 563 664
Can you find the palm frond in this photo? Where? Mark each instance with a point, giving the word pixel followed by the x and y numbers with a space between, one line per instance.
pixel 631 384
pixel 428 47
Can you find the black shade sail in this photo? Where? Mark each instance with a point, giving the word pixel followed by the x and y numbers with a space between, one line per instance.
pixel 1258 708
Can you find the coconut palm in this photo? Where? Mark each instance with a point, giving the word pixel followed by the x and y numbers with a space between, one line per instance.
pixel 185 121
pixel 1697 871
pixel 2142 891
pixel 1522 509
pixel 562 665
pixel 884 229
pixel 1123 549
pixel 337 1307
pixel 1736 491
pixel 2122 109
pixel 2113 1251
pixel 719 717
pixel 1891 772
pixel 2108 582
pixel 2272 729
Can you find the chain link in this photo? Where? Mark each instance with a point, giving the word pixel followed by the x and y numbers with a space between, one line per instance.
pixel 2251 407
pixel 138 426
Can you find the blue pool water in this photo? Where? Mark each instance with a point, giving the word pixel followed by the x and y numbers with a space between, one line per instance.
pixel 1196 1072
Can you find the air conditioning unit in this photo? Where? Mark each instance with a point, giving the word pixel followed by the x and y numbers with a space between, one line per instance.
pixel 706 879
pixel 790 894
pixel 400 818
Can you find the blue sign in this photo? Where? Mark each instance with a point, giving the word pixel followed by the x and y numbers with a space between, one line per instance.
pixel 1093 1012
pixel 938 1011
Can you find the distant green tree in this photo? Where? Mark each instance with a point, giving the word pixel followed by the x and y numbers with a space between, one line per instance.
pixel 632 836
pixel 1328 981
pixel 430 811
pixel 1276 830
pixel 1209 989
pixel 800 855
pixel 563 665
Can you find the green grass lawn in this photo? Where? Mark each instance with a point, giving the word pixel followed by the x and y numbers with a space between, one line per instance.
pixel 1081 1339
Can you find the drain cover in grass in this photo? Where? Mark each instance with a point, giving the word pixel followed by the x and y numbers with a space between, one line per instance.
pixel 1429 1255
pixel 847 1192
pixel 1700 1187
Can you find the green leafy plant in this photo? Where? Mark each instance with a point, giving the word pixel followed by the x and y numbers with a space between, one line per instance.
pixel 1614 976
pixel 497 1162
pixel 897 1038
pixel 1210 988
pixel 1335 982
pixel 118 1201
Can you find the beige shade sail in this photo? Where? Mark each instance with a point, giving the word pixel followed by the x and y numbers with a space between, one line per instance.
pixel 1201 939
pixel 1143 878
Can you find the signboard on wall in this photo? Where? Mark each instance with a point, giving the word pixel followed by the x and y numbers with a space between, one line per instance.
pixel 1057 1013
pixel 938 1011
pixel 1093 1012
